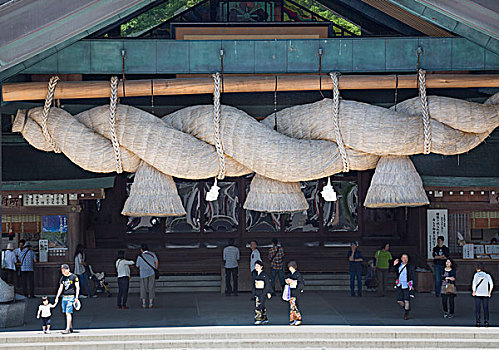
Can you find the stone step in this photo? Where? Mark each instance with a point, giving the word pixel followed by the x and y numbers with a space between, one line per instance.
pixel 261 343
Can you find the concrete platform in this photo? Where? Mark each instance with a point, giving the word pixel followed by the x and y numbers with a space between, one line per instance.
pixel 214 309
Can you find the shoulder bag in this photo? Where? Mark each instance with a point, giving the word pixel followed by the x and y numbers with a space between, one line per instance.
pixel 156 271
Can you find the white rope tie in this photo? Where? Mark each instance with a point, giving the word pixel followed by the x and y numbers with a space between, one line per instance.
pixel 45 113
pixel 113 104
pixel 217 124
pixel 426 112
pixel 336 119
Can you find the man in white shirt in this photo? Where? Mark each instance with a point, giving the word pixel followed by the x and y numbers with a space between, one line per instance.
pixel 231 257
pixel 481 288
pixel 123 270
pixel 255 255
pixel 147 263
pixel 9 264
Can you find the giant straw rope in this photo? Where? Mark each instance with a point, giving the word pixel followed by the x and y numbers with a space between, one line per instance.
pixel 315 140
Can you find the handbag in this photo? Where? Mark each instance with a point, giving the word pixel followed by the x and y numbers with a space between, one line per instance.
pixel 156 271
pixel 22 262
pixel 286 293
pixel 450 288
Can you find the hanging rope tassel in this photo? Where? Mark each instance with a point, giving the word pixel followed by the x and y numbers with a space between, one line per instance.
pixel 46 109
pixel 113 104
pixel 336 120
pixel 426 111
pixel 213 192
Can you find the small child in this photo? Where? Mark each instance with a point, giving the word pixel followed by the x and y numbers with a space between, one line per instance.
pixel 44 312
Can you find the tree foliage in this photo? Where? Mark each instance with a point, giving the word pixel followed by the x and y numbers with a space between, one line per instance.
pixel 169 9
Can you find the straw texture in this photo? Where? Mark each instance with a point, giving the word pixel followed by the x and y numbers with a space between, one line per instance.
pixel 303 147
pixel 395 183
pixel 153 194
pixel 272 196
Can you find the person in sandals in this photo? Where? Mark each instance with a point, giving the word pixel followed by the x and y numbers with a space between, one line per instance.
pixel 261 291
pixel 295 282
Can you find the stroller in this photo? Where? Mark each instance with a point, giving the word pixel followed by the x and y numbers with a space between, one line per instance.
pixel 371 282
pixel 99 280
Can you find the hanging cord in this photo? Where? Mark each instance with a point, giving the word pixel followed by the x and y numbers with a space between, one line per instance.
pixel 426 112
pixel 113 104
pixel 396 90
pixel 45 113
pixel 320 72
pixel 123 58
pixel 275 104
pixel 336 118
pixel 152 97
pixel 222 67
pixel 216 124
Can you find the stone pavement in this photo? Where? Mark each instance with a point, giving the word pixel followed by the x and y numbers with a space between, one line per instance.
pixel 214 309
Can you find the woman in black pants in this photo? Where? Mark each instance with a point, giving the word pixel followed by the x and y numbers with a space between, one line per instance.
pixel 123 272
pixel 448 291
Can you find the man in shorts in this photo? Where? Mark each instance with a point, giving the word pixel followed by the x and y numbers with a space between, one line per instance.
pixel 404 282
pixel 69 287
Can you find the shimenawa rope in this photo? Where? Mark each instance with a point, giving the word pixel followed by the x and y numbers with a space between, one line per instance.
pixel 426 112
pixel 336 119
pixel 46 109
pixel 216 124
pixel 112 123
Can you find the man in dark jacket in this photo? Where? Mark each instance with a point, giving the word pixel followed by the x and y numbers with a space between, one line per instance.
pixel 355 259
pixel 404 282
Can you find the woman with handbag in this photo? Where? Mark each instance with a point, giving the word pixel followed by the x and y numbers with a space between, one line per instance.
pixel 295 282
pixel 448 289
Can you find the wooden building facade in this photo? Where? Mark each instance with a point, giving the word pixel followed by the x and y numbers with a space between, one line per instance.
pixel 293 39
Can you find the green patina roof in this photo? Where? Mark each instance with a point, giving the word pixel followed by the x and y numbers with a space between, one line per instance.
pixel 456 181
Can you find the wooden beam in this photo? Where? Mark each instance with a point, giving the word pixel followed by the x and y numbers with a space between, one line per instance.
pixel 187 86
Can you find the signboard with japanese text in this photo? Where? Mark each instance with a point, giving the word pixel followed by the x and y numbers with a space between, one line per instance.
pixel 468 251
pixel 437 225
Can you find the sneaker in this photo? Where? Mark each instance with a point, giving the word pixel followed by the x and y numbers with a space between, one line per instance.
pixel 297 323
pixel 83 296
pixel 292 323
pixel 265 322
pixel 477 325
pixel 257 323
pixel 446 315
pixel 47 332
pixel 450 315
pixel 486 324
pixel 44 332
pixel 66 331
pixel 93 296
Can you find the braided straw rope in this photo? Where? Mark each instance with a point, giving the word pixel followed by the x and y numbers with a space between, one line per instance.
pixel 216 124
pixel 46 109
pixel 113 103
pixel 426 112
pixel 336 119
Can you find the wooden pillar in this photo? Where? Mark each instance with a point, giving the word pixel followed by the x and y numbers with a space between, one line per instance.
pixel 74 228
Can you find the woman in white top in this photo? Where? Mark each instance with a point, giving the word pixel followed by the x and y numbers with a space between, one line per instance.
pixel 81 271
pixel 482 290
pixel 123 271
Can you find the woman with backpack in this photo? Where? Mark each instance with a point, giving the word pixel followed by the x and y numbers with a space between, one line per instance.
pixel 481 287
